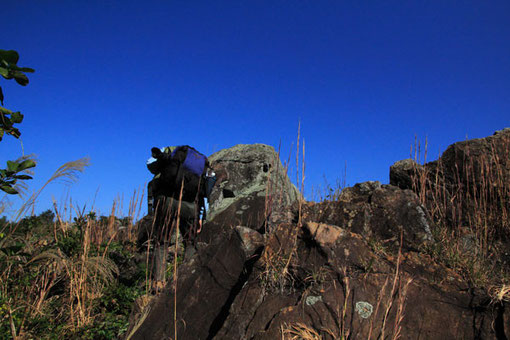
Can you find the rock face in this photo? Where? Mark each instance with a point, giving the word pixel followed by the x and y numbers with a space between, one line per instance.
pixel 252 183
pixel 468 189
pixel 378 213
pixel 401 173
pixel 337 285
pixel 204 287
pixel 353 268
pixel 462 162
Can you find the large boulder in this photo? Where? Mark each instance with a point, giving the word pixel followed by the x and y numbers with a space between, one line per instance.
pixel 251 185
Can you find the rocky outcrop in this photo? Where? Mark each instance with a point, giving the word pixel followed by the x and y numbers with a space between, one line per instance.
pixel 319 278
pixel 377 212
pixel 470 160
pixel 466 162
pixel 204 288
pixel 351 268
pixel 252 183
pixel 337 285
pixel 468 190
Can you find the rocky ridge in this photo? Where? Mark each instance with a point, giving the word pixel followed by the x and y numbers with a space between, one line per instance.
pixel 353 268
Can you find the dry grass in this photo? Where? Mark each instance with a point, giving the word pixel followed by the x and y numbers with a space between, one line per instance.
pixel 79 271
pixel 84 276
pixel 298 331
pixel 394 301
pixel 278 255
pixel 500 293
pixel 470 205
pixel 277 275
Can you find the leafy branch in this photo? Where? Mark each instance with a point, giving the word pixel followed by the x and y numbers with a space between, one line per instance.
pixel 10 70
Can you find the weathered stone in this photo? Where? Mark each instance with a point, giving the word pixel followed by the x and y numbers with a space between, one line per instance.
pixel 324 234
pixel 204 286
pixel 251 183
pixel 377 212
pixel 361 294
pixel 358 193
pixel 342 271
pixel 401 173
pixel 251 240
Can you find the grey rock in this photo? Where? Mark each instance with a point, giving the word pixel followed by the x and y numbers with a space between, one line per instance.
pixel 251 183
pixel 402 171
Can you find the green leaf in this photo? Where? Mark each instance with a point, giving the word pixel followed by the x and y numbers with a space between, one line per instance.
pixel 8 189
pixel 23 177
pixel 6 123
pixel 9 173
pixel 10 56
pixel 16 117
pixel 12 166
pixel 21 78
pixel 4 72
pixel 27 69
pixel 5 111
pixel 21 69
pixel 26 164
pixel 1 96
pixel 2 173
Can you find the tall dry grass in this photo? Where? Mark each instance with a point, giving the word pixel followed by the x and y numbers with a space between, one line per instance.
pixel 470 205
pixel 56 273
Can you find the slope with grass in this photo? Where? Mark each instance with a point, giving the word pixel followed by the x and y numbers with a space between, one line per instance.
pixel 424 257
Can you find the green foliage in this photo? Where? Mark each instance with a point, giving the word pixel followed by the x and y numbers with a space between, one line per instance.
pixel 114 309
pixel 37 225
pixel 10 70
pixel 38 266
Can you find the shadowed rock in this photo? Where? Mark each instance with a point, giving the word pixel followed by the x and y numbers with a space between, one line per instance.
pixel 377 212
pixel 462 162
pixel 205 284
pixel 343 271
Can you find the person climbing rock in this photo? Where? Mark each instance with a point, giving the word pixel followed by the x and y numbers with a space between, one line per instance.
pixel 176 200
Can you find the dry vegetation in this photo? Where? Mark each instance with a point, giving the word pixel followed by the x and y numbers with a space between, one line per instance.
pixel 59 277
pixel 470 206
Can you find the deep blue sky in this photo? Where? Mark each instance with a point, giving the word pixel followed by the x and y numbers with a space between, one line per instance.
pixel 114 78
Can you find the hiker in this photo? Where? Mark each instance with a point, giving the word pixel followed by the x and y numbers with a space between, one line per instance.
pixel 176 196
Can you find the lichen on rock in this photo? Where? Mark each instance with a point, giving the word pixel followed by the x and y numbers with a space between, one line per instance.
pixel 364 309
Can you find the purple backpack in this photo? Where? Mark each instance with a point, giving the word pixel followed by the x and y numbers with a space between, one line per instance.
pixel 193 166
pixel 195 162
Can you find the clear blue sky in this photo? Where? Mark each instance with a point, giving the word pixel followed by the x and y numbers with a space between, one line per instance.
pixel 114 78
